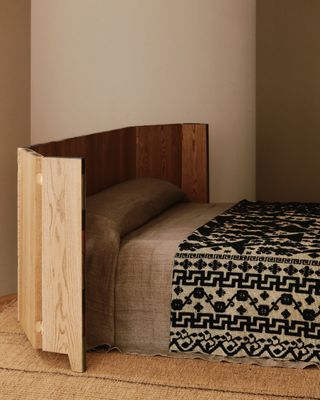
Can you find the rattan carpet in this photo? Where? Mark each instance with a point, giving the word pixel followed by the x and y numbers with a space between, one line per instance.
pixel 29 374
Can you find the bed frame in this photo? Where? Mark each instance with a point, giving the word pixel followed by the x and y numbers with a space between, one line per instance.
pixel 53 181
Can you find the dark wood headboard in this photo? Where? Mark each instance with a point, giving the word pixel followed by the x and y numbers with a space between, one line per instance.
pixel 177 153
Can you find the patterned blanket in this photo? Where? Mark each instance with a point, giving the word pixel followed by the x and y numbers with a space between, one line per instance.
pixel 247 284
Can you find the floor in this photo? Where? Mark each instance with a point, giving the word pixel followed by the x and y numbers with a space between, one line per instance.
pixel 7 299
pixel 28 374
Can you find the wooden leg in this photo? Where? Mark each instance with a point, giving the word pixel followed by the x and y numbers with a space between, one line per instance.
pixel 77 359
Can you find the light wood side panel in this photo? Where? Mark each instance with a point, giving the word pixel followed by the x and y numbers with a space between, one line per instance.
pixel 62 260
pixel 194 179
pixel 29 244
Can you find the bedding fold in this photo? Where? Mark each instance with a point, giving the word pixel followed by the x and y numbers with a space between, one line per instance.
pixel 102 250
pixel 110 215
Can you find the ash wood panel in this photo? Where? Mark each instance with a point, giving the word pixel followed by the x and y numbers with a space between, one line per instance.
pixel 62 260
pixel 158 152
pixel 194 180
pixel 29 244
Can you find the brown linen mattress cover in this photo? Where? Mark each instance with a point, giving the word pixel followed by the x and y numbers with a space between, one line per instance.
pixel 132 290
pixel 129 280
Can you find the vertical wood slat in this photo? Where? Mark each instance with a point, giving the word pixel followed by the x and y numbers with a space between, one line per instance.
pixel 110 156
pixel 29 244
pixel 158 152
pixel 62 260
pixel 115 156
pixel 194 179
pixel 177 153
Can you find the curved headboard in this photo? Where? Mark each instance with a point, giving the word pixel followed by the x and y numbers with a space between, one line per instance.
pixel 177 153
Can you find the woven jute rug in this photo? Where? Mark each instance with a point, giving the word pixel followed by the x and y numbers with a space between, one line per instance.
pixel 29 374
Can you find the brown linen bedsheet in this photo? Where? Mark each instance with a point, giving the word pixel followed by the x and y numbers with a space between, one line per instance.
pixel 111 214
pixel 129 293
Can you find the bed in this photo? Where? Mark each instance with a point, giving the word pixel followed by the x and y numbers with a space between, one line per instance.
pixel 121 249
pixel 54 180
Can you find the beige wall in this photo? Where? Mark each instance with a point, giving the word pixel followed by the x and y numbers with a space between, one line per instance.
pixel 14 125
pixel 288 100
pixel 104 64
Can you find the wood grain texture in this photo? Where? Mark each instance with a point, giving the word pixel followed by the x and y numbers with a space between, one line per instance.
pixel 165 152
pixel 195 179
pixel 7 299
pixel 62 259
pixel 29 243
pixel 110 156
pixel 158 152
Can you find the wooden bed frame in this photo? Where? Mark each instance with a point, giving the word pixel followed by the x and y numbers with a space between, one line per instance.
pixel 53 181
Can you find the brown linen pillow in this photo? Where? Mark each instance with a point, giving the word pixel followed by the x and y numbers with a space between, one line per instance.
pixel 132 203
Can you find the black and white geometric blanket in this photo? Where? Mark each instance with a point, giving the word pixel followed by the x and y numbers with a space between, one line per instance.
pixel 247 284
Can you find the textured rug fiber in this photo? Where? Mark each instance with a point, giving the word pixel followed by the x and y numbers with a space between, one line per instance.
pixel 29 374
